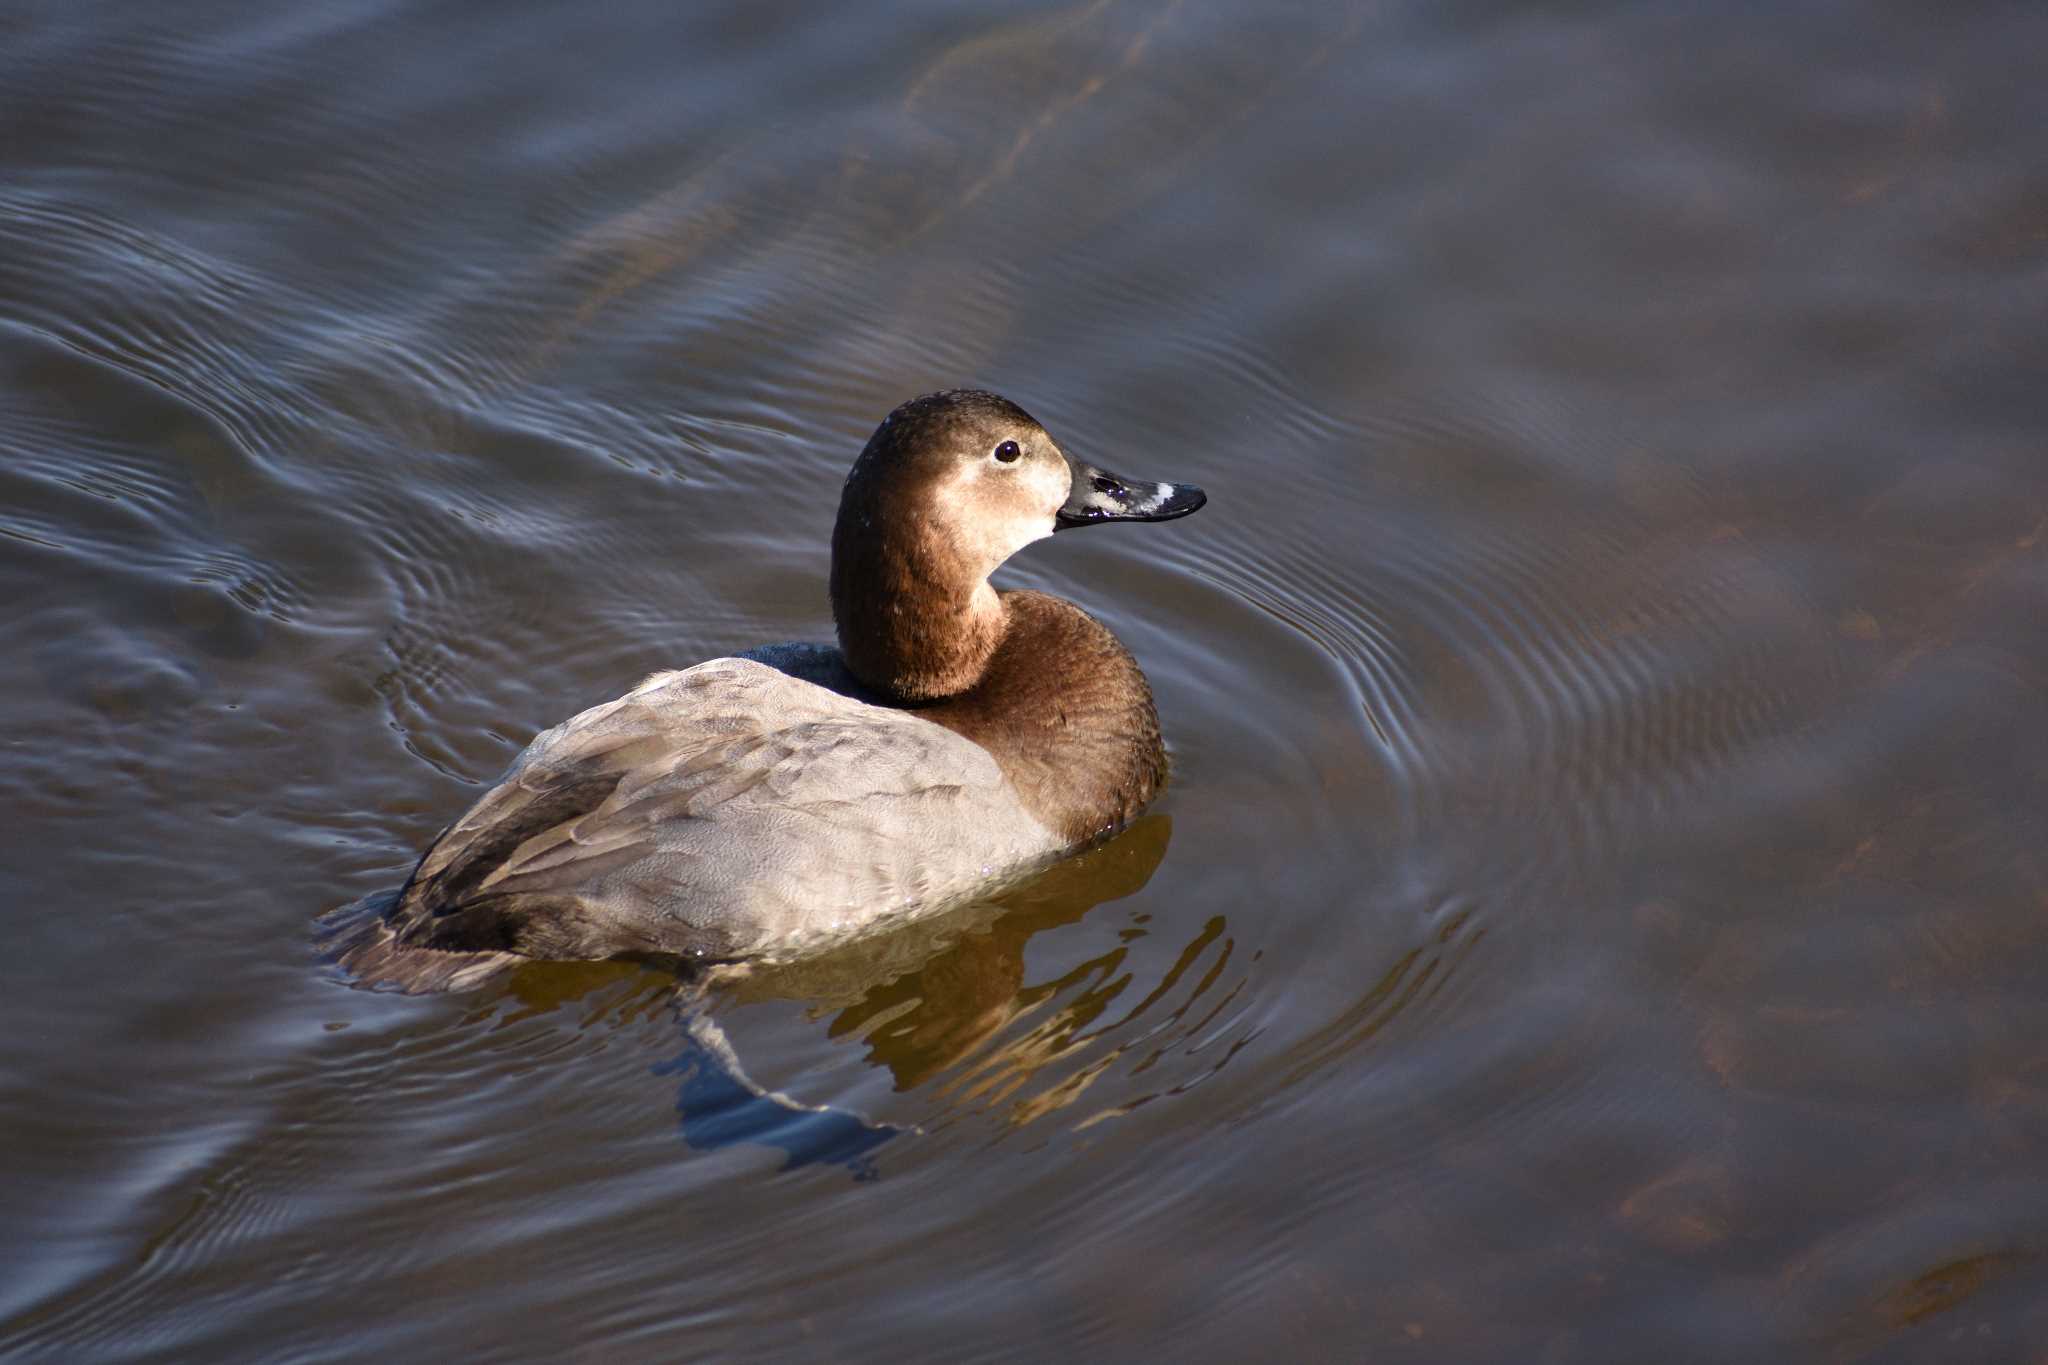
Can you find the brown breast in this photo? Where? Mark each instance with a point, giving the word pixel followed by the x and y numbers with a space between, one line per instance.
pixel 1068 715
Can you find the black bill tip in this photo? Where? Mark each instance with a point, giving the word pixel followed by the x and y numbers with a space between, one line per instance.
pixel 1098 497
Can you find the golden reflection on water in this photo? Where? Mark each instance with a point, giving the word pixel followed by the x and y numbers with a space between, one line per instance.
pixel 938 1017
pixel 946 1004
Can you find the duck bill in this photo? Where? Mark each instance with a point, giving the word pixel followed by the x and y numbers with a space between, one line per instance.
pixel 1098 497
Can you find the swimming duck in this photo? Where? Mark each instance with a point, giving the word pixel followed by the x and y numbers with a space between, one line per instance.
pixel 759 806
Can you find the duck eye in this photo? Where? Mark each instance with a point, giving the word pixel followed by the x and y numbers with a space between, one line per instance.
pixel 1008 452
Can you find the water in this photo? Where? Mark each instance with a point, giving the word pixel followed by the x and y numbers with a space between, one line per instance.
pixel 1600 912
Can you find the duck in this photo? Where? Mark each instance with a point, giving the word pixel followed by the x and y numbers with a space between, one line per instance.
pixel 758 807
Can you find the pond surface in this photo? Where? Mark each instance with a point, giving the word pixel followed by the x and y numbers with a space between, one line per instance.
pixel 1601 910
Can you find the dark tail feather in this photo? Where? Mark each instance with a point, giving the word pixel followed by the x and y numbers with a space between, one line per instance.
pixel 359 939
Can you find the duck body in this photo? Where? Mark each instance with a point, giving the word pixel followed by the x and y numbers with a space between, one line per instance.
pixel 760 806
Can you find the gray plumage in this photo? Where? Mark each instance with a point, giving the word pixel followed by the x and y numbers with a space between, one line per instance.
pixel 724 811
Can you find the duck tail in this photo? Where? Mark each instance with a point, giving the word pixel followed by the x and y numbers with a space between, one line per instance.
pixel 359 939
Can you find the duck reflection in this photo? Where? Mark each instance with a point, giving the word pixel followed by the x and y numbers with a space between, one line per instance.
pixel 924 999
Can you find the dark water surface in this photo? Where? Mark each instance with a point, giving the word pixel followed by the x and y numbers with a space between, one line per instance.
pixel 1602 908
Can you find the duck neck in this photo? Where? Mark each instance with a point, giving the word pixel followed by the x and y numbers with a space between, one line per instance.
pixel 915 621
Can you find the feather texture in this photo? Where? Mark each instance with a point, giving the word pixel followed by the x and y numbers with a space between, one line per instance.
pixel 727 810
